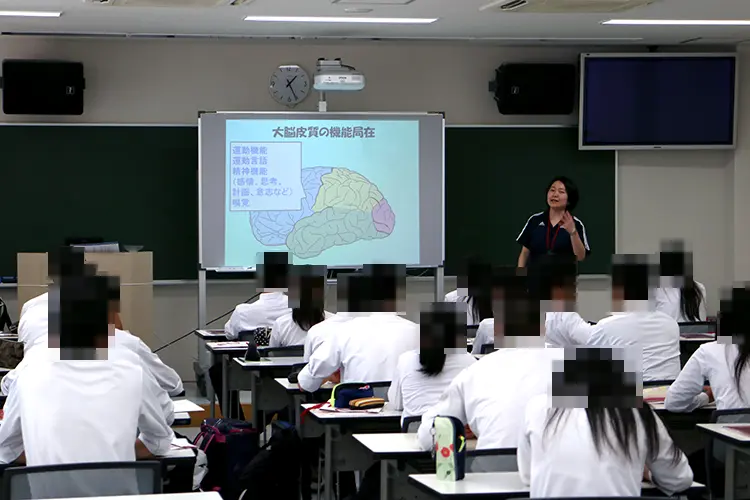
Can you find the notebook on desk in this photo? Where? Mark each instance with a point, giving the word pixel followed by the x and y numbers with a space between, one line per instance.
pixel 655 394
pixel 744 429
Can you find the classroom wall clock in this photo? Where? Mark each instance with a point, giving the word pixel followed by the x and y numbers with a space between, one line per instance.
pixel 290 85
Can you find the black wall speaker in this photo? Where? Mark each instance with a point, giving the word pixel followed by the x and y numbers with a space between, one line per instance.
pixel 535 89
pixel 35 87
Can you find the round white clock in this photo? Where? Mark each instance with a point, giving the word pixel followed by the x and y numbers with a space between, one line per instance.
pixel 290 85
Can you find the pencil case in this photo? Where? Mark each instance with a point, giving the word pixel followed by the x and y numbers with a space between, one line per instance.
pixel 450 448
pixel 366 403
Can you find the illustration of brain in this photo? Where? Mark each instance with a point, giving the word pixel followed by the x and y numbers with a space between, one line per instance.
pixel 340 207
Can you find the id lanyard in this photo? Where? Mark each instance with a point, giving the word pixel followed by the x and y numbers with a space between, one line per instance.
pixel 551 247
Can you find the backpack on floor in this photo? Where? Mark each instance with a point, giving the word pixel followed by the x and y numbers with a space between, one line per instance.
pixel 275 471
pixel 229 446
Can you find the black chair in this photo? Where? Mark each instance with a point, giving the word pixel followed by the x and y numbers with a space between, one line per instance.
pixel 291 351
pixel 82 480
pixel 688 327
pixel 487 349
pixel 715 461
pixel 656 383
pixel 408 421
pixel 380 389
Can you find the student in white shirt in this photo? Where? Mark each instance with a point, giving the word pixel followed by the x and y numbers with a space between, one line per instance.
pixel 563 328
pixel 590 438
pixel 422 376
pixel 635 326
pixel 679 295
pixel 490 396
pixel 350 291
pixel 79 401
pixel 168 381
pixel 474 290
pixel 307 295
pixel 723 363
pixel 272 304
pixel 366 349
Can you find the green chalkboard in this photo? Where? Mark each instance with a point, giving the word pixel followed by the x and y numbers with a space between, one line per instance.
pixel 496 178
pixel 139 185
pixel 136 185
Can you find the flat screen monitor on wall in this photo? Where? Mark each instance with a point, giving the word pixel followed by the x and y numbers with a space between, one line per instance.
pixel 658 101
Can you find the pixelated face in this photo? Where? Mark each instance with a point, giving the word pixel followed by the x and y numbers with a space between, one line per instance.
pixel 442 325
pixel 557 196
pixel 596 377
pixel 273 271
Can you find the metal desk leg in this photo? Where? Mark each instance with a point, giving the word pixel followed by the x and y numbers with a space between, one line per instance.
pixel 729 478
pixel 254 401
pixel 328 455
pixel 224 387
pixel 384 470
pixel 210 386
pixel 297 406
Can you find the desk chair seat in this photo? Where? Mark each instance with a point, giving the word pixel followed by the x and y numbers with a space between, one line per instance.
pixel 82 480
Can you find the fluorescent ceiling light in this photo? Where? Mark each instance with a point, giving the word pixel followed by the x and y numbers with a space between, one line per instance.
pixel 28 13
pixel 355 20
pixel 679 22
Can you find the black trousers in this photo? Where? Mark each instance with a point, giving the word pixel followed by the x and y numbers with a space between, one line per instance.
pixel 235 409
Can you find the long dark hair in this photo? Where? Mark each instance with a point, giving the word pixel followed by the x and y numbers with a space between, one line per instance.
pixel 439 328
pixel 734 316
pixel 479 278
pixel 612 404
pixel 690 299
pixel 673 261
pixel 310 310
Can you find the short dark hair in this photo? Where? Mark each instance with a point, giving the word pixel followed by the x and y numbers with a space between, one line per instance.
pixel 570 188
pixel 633 274
pixel 84 309
pixel 556 271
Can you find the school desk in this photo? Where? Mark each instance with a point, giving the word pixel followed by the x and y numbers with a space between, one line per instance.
pixel 203 337
pixel 224 350
pixel 496 485
pixel 736 437
pixel 390 448
pixel 181 419
pixel 266 394
pixel 342 452
pixel 200 495
pixel 298 397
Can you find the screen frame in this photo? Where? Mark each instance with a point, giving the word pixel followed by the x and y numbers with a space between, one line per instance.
pixel 649 147
pixel 315 115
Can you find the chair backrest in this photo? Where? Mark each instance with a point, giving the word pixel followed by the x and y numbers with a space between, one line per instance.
pixel 411 424
pixel 380 389
pixel 487 349
pixel 698 327
pixel 656 383
pixel 733 416
pixel 291 351
pixel 82 480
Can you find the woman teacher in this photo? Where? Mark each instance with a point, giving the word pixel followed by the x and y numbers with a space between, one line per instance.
pixel 555 231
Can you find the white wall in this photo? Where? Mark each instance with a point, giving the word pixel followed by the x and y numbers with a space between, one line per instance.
pixel 661 194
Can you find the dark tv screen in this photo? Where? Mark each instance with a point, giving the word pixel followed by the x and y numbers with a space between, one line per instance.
pixel 676 101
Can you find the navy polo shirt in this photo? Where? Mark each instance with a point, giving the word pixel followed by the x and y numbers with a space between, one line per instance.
pixel 541 239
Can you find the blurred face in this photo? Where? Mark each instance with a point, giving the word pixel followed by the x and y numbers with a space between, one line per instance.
pixel 557 197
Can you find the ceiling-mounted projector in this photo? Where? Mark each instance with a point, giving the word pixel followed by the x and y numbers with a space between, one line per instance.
pixel 332 76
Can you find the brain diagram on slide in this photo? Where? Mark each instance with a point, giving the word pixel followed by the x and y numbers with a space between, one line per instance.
pixel 340 207
pixel 307 210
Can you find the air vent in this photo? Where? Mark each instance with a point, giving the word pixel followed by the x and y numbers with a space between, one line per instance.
pixel 170 3
pixel 564 6
pixel 370 3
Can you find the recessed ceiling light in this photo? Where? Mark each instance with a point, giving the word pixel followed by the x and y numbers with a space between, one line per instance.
pixel 679 22
pixel 28 13
pixel 354 20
